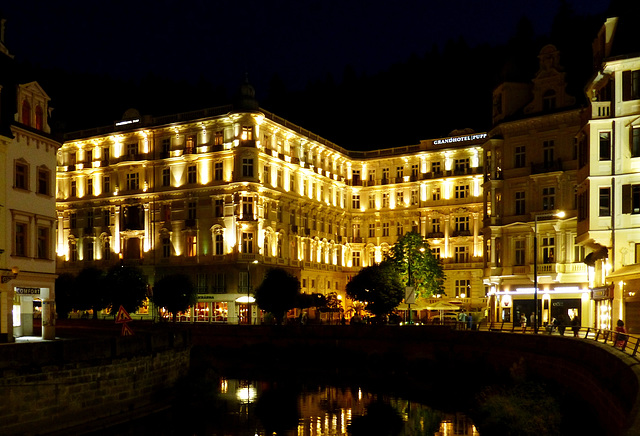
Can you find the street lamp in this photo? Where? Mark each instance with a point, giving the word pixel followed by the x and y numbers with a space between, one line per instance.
pixel 248 292
pixel 559 214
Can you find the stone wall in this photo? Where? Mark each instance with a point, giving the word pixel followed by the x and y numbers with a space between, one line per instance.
pixel 53 386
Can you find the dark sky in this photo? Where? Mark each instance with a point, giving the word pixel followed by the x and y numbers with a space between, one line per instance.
pixel 221 40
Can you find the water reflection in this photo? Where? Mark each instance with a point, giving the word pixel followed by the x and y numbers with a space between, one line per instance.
pixel 236 407
pixel 265 408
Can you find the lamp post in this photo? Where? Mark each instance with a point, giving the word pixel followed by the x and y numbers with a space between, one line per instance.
pixel 559 214
pixel 249 291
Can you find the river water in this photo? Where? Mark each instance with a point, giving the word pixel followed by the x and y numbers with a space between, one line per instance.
pixel 235 407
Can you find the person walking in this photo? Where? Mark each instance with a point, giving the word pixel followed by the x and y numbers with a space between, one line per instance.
pixel 575 326
pixel 561 324
pixel 533 320
pixel 523 322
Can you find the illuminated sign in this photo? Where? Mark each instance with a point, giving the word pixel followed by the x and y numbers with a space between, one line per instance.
pixel 125 122
pixel 465 138
pixel 28 291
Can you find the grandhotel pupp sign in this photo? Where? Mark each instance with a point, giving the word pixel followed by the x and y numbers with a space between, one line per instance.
pixel 465 138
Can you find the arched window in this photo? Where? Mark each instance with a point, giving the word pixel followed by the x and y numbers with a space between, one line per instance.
pixel 39 118
pixel 26 113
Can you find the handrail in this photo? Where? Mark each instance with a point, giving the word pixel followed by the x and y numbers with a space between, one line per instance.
pixel 629 345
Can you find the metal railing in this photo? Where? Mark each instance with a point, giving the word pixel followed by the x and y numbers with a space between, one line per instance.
pixel 624 342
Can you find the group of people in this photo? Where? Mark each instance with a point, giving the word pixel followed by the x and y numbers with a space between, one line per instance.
pixel 558 323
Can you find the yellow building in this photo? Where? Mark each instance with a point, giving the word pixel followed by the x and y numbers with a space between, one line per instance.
pixel 222 194
pixel 531 157
pixel 27 205
pixel 609 176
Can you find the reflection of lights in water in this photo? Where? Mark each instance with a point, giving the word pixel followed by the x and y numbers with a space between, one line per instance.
pixel 246 394
pixel 224 385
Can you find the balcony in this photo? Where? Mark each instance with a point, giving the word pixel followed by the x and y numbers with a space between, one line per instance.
pixel 600 109
pixel 546 167
pixel 435 235
pixel 461 233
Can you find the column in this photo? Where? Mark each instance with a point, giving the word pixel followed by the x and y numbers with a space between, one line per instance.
pixel 60 246
pixel 447 254
pixel 147 229
pixel 477 250
pixel 116 236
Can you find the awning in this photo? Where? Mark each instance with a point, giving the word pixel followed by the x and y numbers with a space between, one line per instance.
pixel 626 272
pixel 600 253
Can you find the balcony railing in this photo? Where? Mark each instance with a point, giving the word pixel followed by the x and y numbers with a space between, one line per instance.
pixel 600 109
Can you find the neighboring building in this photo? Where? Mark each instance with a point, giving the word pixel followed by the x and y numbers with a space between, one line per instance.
pixel 531 162
pixel 223 194
pixel 27 204
pixel 609 175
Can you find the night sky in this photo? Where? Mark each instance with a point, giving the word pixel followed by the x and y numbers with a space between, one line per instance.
pixel 219 41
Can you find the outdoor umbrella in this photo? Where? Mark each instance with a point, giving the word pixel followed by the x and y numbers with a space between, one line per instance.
pixel 442 306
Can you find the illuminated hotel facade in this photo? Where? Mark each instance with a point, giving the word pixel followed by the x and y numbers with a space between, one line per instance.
pixel 223 194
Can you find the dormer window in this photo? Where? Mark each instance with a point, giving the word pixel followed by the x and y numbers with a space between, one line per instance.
pixel 39 118
pixel 549 100
pixel 26 113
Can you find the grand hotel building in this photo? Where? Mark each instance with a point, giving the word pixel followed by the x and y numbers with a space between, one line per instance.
pixel 223 194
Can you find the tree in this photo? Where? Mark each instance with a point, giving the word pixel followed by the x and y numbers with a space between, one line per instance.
pixel 416 265
pixel 278 293
pixel 127 287
pixel 91 290
pixel 379 286
pixel 65 294
pixel 175 293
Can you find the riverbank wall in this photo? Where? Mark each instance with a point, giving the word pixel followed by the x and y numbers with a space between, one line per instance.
pixel 47 387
